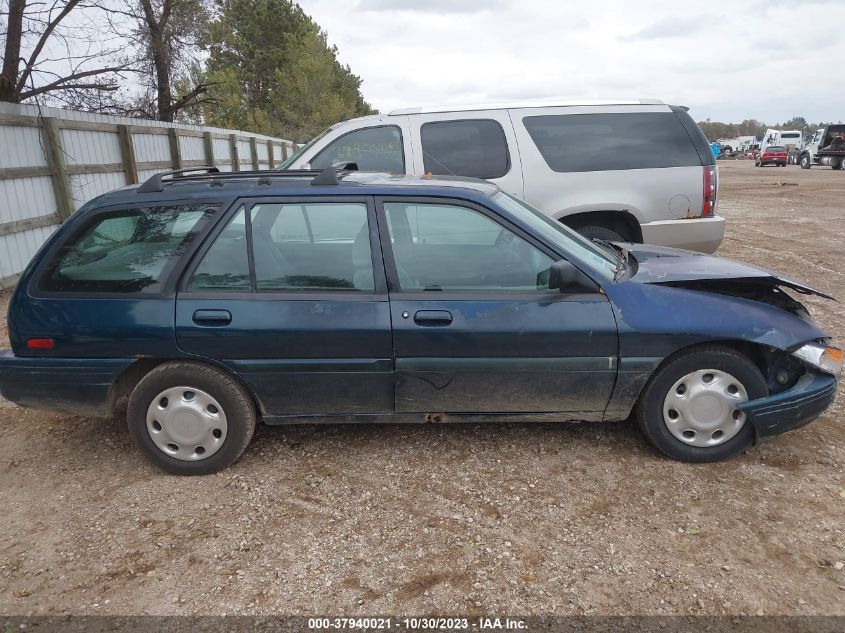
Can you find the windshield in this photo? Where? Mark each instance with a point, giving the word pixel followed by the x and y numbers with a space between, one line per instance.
pixel 290 159
pixel 559 235
pixel 775 148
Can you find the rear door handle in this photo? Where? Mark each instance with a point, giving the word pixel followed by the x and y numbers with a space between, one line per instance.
pixel 433 318
pixel 212 317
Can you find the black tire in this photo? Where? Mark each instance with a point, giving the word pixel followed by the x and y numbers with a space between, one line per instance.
pixel 236 403
pixel 601 233
pixel 837 166
pixel 649 409
pixel 806 163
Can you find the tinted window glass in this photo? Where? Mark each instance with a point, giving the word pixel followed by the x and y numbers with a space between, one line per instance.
pixel 126 251
pixel 319 246
pixel 475 148
pixel 451 248
pixel 225 266
pixel 775 148
pixel 598 142
pixel 372 149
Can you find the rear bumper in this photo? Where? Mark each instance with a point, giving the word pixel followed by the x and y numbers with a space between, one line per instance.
pixel 72 386
pixel 793 408
pixel 695 234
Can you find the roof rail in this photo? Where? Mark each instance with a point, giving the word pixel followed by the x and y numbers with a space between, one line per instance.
pixel 327 177
pixel 154 182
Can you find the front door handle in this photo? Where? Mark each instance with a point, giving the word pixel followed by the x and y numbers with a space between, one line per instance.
pixel 433 318
pixel 212 317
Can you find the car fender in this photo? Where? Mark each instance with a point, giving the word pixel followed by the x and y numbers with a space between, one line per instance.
pixel 655 321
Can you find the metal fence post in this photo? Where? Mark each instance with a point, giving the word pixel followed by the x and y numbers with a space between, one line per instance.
pixel 270 158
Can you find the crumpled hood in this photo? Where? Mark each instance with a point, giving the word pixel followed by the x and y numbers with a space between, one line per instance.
pixel 659 264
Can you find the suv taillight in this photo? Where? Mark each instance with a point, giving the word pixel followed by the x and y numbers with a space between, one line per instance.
pixel 708 209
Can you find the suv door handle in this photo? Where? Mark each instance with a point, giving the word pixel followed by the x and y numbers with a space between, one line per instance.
pixel 433 318
pixel 212 317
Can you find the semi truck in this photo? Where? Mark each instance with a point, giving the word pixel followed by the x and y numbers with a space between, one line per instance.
pixel 825 147
pixel 790 139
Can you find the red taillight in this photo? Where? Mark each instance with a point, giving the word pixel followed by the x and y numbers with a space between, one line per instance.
pixel 40 343
pixel 708 209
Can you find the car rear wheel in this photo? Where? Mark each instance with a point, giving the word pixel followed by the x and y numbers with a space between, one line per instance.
pixel 190 419
pixel 601 233
pixel 688 409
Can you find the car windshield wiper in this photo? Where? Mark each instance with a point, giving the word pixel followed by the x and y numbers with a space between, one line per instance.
pixel 620 252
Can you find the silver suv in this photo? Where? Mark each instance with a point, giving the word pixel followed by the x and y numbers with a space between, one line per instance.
pixel 638 171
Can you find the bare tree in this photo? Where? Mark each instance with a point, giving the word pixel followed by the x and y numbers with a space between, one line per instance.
pixel 164 35
pixel 53 48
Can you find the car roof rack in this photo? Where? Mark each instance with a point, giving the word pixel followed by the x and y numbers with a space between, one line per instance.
pixel 327 177
pixel 156 182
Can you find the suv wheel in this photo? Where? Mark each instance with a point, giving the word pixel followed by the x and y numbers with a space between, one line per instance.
pixel 805 161
pixel 601 233
pixel 688 409
pixel 190 419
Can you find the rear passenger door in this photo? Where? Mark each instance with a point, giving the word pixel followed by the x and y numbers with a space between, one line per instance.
pixel 291 295
pixel 474 144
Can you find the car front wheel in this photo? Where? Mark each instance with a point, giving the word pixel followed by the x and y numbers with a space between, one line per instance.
pixel 688 409
pixel 190 419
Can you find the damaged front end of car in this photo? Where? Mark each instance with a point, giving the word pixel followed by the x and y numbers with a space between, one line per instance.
pixel 706 299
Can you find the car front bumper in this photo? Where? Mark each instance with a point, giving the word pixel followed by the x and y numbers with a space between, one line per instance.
pixel 694 234
pixel 812 394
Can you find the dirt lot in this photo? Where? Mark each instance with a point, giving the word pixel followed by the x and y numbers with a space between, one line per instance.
pixel 510 519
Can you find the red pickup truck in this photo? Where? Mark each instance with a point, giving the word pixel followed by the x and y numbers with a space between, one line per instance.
pixel 772 155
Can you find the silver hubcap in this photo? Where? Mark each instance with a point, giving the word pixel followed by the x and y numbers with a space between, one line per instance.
pixel 700 408
pixel 186 423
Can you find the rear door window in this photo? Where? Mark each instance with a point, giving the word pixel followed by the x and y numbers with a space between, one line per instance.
pixel 130 251
pixel 371 149
pixel 290 247
pixel 473 147
pixel 599 142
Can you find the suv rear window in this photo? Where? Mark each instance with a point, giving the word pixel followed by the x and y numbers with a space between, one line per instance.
pixel 474 147
pixel 599 142
pixel 130 251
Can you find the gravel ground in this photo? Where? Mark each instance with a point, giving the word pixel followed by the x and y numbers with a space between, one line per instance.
pixel 520 519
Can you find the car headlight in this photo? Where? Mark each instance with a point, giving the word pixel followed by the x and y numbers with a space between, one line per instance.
pixel 828 359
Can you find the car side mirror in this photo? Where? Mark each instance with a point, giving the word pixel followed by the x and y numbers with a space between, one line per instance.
pixel 563 274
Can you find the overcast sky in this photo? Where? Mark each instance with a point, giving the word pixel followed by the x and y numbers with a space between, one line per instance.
pixel 725 59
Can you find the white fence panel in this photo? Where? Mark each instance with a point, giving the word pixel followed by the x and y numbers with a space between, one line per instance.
pixel 22 147
pixel 53 161
pixel 88 147
pixel 26 197
pixel 192 148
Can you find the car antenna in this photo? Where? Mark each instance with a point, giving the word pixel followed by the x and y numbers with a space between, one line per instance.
pixel 326 177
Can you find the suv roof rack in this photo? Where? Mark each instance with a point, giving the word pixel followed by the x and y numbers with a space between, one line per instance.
pixel 156 182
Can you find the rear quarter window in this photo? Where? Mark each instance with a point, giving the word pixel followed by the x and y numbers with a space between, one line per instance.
pixel 126 251
pixel 599 142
